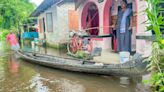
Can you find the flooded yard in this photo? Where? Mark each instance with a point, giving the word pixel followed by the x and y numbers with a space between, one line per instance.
pixel 20 76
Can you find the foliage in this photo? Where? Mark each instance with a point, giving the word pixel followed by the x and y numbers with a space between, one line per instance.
pixel 14 12
pixel 80 54
pixel 3 34
pixel 158 82
pixel 155 18
pixel 156 64
pixel 157 58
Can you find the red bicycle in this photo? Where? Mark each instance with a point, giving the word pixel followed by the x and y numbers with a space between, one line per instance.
pixel 77 44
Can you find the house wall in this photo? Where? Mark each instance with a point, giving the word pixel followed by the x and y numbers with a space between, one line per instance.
pixel 105 42
pixel 103 9
pixel 60 32
pixel 142 46
pixel 52 10
pixel 61 27
pixel 139 28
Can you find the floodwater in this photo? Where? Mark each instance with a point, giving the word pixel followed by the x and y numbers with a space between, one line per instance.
pixel 20 76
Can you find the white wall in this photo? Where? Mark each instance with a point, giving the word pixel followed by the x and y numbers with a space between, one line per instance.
pixel 60 23
pixel 143 46
pixel 62 20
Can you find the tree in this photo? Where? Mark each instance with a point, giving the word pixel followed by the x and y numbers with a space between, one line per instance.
pixel 14 12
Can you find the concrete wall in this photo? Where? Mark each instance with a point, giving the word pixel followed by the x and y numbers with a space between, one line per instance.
pixel 142 46
pixel 60 32
pixel 105 42
pixel 103 9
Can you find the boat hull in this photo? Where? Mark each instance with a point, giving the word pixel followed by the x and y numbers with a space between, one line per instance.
pixel 131 68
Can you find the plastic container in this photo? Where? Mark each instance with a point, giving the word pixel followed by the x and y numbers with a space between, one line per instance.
pixel 124 57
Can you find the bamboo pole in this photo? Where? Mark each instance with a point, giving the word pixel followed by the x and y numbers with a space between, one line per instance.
pixel 97 27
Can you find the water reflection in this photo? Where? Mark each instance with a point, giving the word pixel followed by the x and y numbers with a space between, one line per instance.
pixel 54 85
pixel 20 76
pixel 13 64
pixel 14 77
pixel 62 81
pixel 37 84
pixel 26 77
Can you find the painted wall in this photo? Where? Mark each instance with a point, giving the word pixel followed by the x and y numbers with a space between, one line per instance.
pixel 104 8
pixel 61 30
pixel 105 42
pixel 139 29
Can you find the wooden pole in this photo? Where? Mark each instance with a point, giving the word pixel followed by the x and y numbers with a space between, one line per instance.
pixel 97 28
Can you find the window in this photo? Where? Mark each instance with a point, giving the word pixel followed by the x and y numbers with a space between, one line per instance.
pixel 49 22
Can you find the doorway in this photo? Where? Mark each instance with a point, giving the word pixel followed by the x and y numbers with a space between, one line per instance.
pixel 90 18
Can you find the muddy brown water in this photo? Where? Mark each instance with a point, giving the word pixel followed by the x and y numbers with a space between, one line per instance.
pixel 20 76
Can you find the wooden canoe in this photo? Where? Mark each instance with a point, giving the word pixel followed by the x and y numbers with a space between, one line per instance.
pixel 130 68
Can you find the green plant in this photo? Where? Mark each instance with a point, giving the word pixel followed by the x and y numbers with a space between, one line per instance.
pixel 14 12
pixel 158 82
pixel 3 34
pixel 155 18
pixel 156 64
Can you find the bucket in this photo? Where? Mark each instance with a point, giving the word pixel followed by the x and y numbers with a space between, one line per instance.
pixel 124 57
